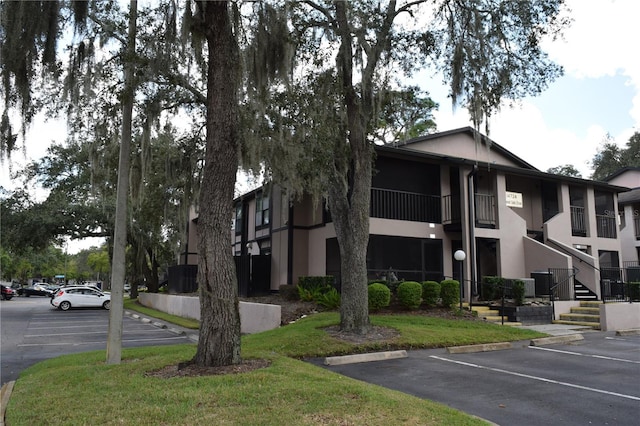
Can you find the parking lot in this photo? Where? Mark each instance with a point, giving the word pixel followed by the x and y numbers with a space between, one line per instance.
pixel 594 381
pixel 32 331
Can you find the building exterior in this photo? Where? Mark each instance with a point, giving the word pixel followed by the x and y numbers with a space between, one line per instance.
pixel 629 209
pixel 430 197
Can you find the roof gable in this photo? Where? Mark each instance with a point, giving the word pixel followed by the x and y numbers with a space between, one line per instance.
pixel 466 143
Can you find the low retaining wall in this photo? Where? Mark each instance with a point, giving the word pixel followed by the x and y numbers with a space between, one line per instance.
pixel 619 316
pixel 254 317
pixel 528 315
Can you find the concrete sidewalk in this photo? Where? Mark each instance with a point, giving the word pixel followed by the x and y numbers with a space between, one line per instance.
pixel 558 329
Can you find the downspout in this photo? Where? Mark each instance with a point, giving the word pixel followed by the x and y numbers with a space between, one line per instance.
pixel 472 235
pixel 290 248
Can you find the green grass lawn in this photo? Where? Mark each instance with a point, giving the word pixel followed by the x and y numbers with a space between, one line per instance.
pixel 80 389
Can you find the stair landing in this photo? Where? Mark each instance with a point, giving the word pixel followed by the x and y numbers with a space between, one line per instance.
pixel 587 314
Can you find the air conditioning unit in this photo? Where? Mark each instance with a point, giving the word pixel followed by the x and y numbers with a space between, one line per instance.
pixel 529 287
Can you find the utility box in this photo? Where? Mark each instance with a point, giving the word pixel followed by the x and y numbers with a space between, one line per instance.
pixel 529 287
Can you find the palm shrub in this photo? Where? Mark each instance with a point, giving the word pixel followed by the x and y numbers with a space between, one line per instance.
pixel 430 292
pixel 517 289
pixel 409 294
pixel 449 292
pixel 310 289
pixel 330 299
pixel 379 296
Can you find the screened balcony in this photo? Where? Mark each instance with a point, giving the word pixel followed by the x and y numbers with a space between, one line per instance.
pixel 578 222
pixel 606 226
pixel 485 210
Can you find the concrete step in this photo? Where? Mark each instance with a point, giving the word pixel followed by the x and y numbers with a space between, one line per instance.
pixel 590 304
pixel 585 310
pixel 594 325
pixel 496 318
pixel 580 317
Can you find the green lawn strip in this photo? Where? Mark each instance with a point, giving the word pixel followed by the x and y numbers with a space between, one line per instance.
pixel 306 337
pixel 133 305
pixel 81 389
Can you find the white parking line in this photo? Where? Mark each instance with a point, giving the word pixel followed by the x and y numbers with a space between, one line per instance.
pixel 617 338
pixel 92 332
pixel 608 358
pixel 541 379
pixel 99 342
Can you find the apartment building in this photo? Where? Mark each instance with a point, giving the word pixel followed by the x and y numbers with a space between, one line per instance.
pixel 434 195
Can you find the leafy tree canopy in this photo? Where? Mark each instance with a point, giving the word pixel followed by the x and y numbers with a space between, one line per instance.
pixel 611 158
pixel 565 170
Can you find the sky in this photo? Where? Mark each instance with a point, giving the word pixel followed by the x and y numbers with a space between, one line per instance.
pixel 599 94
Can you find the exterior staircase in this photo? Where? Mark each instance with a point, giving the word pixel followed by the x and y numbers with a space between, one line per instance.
pixel 490 315
pixel 582 292
pixel 587 314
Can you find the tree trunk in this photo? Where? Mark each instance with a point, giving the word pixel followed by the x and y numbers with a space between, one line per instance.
pixel 219 342
pixel 118 264
pixel 350 194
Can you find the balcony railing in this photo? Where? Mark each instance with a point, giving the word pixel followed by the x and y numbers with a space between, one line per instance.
pixel 450 209
pixel 606 226
pixel 578 222
pixel 485 209
pixel 401 205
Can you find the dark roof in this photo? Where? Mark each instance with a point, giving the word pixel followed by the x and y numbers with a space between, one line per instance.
pixel 629 197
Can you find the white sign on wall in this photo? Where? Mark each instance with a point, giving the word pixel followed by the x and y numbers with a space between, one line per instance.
pixel 514 199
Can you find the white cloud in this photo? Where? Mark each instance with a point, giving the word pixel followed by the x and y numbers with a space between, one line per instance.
pixel 595 46
pixel 602 41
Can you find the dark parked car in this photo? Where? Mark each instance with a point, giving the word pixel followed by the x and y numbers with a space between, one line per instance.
pixel 35 290
pixel 7 292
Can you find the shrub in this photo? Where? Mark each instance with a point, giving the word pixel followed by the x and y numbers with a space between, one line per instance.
pixel 491 287
pixel 517 290
pixel 379 296
pixel 450 292
pixel 431 292
pixel 410 294
pixel 289 292
pixel 330 299
pixel 634 291
pixel 311 283
pixel 393 286
pixel 310 289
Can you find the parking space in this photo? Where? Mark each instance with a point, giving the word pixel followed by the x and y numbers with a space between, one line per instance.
pixel 32 331
pixel 595 381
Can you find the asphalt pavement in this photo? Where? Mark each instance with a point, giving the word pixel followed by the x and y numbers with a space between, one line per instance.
pixel 591 380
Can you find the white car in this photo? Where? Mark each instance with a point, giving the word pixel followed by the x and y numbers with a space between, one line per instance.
pixel 80 297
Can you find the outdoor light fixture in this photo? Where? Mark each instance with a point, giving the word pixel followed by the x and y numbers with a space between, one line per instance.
pixel 460 256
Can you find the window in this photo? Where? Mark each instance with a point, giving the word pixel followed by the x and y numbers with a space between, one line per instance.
pixel 237 221
pixel 262 210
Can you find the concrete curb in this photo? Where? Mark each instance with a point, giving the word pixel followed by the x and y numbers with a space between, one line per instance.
pixel 163 326
pixel 556 339
pixel 374 356
pixel 628 332
pixel 485 347
pixel 5 394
